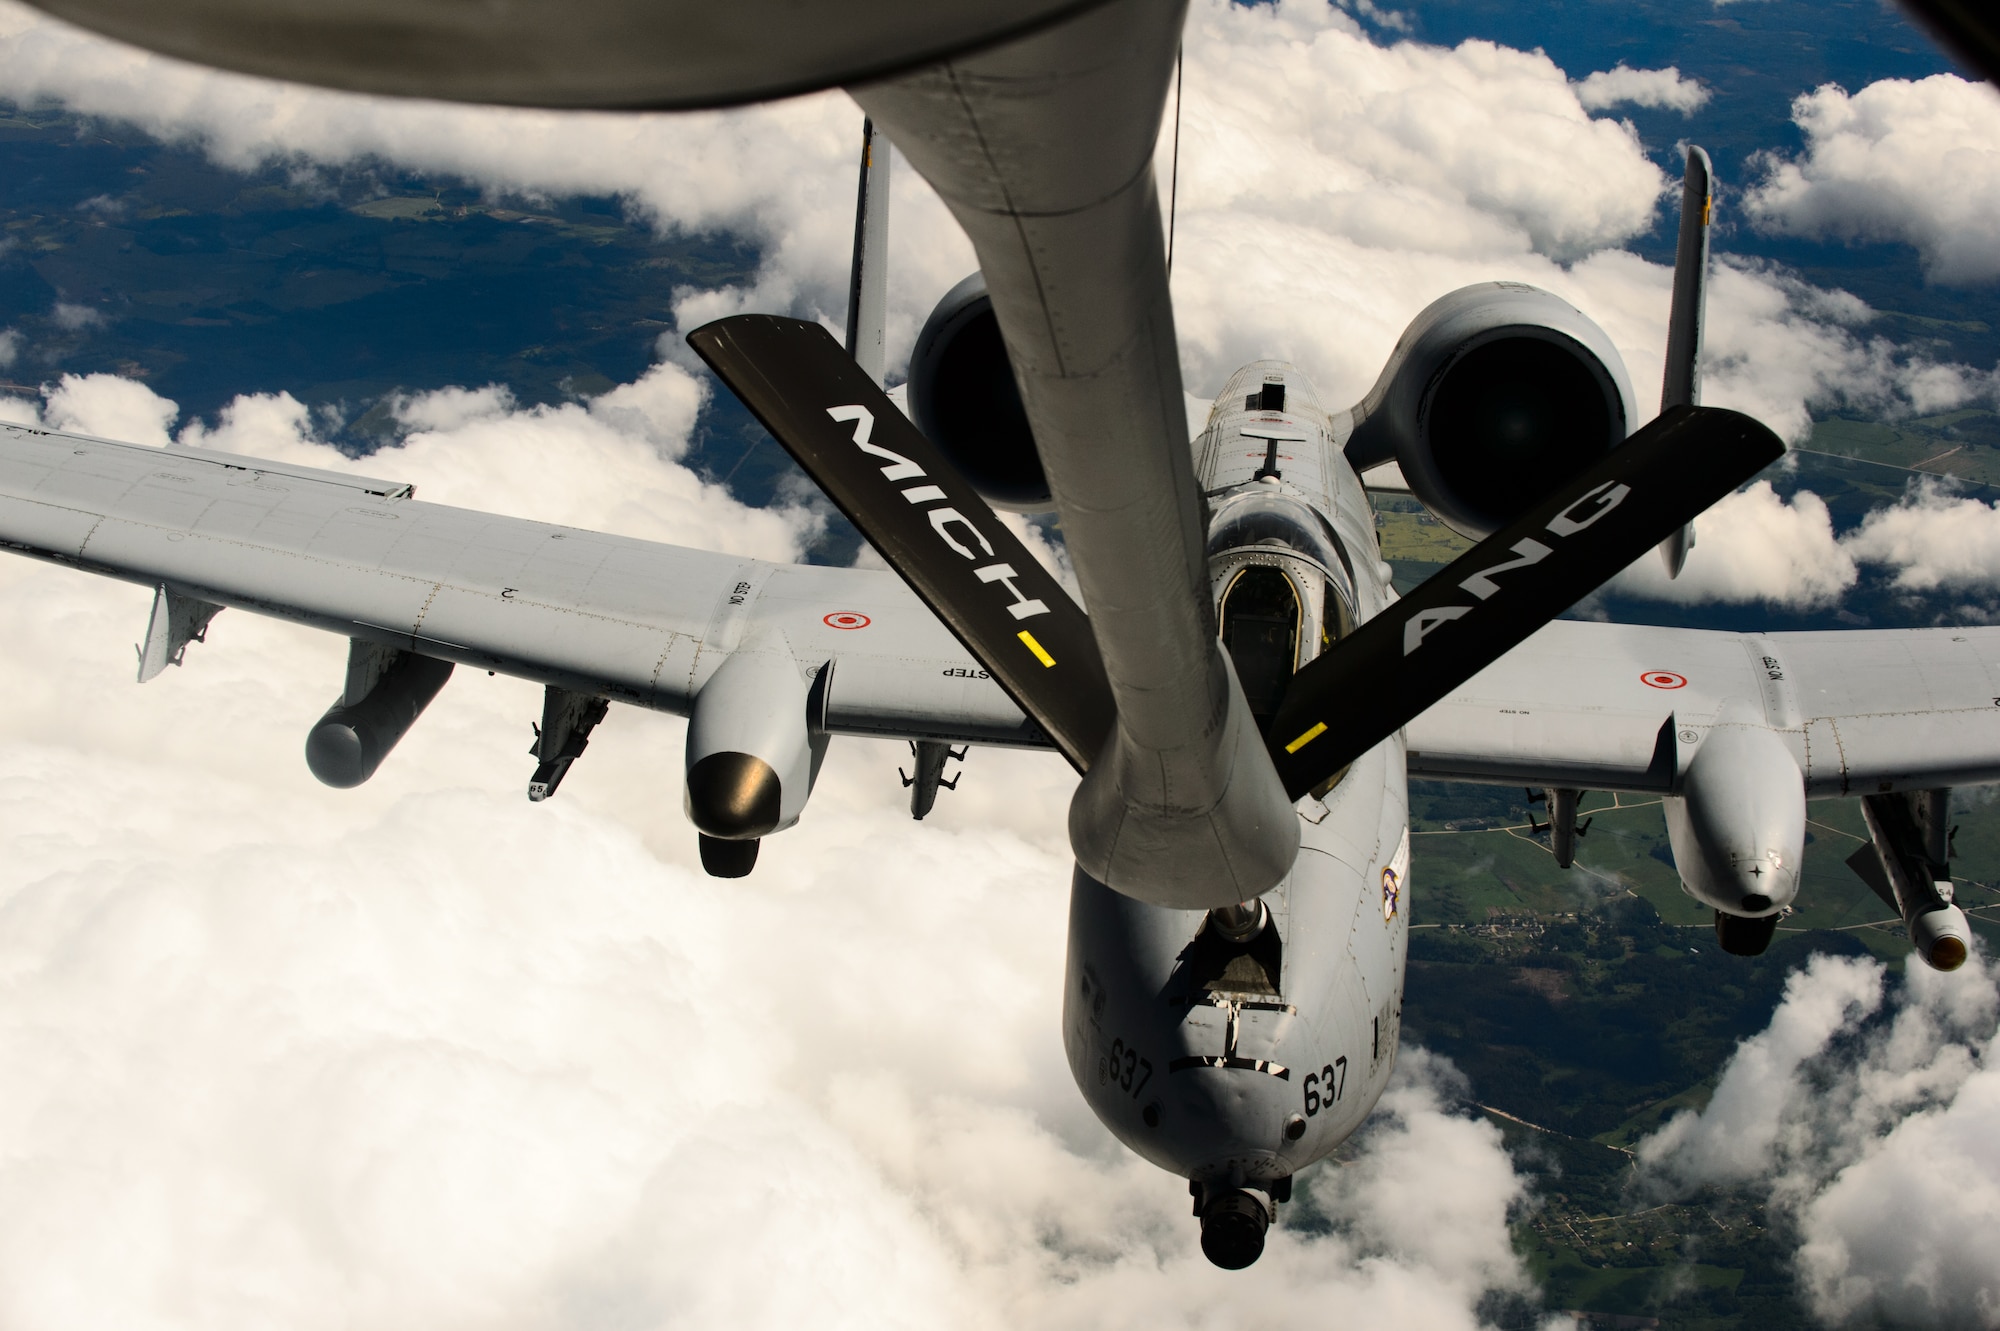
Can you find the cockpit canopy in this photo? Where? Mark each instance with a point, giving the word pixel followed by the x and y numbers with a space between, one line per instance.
pixel 1283 587
pixel 1250 519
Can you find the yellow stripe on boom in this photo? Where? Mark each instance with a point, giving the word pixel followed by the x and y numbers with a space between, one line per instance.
pixel 1319 728
pixel 1041 654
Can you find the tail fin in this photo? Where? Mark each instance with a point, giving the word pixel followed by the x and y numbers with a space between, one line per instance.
pixel 868 284
pixel 1682 384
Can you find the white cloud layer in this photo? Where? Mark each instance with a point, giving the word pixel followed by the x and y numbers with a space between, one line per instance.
pixel 1915 162
pixel 1662 89
pixel 1755 546
pixel 1330 187
pixel 423 1054
pixel 1358 182
pixel 74 318
pixel 780 177
pixel 602 466
pixel 1934 539
pixel 1869 1121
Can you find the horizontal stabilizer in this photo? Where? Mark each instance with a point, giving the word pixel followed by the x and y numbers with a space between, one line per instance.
pixel 931 526
pixel 1471 613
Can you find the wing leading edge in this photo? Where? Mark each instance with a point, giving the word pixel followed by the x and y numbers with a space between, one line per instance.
pixel 1586 705
pixel 1622 707
pixel 635 621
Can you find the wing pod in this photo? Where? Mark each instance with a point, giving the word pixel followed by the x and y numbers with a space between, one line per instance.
pixel 1907 866
pixel 964 398
pixel 752 748
pixel 1495 395
pixel 387 690
pixel 1738 827
pixel 1467 616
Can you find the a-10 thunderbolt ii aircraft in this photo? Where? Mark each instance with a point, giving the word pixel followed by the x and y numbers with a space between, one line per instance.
pixel 1246 696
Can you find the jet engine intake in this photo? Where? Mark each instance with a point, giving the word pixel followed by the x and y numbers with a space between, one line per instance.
pixel 752 753
pixel 1496 394
pixel 964 398
pixel 387 690
pixel 1738 828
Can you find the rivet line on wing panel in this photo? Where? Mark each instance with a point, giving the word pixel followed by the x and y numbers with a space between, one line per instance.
pixel 417 627
pixel 661 664
pixel 84 544
pixel 324 562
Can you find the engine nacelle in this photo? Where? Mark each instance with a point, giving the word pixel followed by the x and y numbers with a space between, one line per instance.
pixel 964 398
pixel 752 750
pixel 1495 395
pixel 1738 827
pixel 387 690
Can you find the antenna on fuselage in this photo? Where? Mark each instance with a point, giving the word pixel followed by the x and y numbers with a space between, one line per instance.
pixel 868 278
pixel 1174 179
pixel 1681 386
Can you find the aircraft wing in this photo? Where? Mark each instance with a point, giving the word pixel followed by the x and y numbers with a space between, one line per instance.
pixel 630 620
pixel 1621 707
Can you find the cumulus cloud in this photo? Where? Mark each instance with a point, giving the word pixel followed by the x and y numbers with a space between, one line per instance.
pixel 1434 1186
pixel 74 318
pixel 110 407
pixel 682 173
pixel 10 347
pixel 1362 181
pixel 1867 1119
pixel 476 449
pixel 1664 89
pixel 1738 1135
pixel 1915 162
pixel 1754 546
pixel 451 407
pixel 1393 20
pixel 419 1053
pixel 422 1053
pixel 1358 182
pixel 1934 539
pixel 1330 187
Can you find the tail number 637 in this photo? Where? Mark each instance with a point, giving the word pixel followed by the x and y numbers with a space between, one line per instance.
pixel 1123 1063
pixel 1325 1086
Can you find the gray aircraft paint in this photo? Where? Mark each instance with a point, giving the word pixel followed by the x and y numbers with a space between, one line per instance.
pixel 1067 229
pixel 1069 236
pixel 1205 1083
pixel 1589 705
pixel 1861 711
pixel 1208 1079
